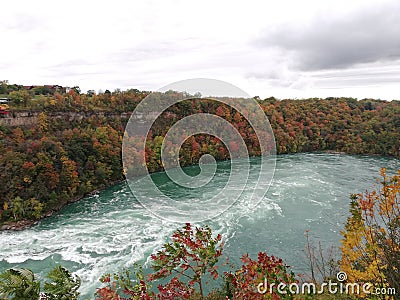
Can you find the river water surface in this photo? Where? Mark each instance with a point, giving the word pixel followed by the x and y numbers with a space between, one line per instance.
pixel 110 230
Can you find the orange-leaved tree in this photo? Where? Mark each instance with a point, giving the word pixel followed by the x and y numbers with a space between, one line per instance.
pixel 371 239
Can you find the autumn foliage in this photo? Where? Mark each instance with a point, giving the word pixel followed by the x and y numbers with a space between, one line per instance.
pixel 249 281
pixel 371 239
pixel 192 253
pixel 74 147
pixel 126 284
pixel 183 266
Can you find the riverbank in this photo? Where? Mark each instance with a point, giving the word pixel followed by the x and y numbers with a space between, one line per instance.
pixel 18 225
pixel 25 224
pixel 104 233
pixel 72 149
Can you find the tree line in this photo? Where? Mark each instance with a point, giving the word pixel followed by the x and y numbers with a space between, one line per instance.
pixel 58 160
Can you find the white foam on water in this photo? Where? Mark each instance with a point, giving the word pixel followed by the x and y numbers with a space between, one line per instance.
pixel 120 231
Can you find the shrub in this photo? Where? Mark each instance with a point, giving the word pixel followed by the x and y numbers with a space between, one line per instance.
pixel 259 279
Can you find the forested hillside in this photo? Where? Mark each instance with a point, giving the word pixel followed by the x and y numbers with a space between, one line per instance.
pixel 57 159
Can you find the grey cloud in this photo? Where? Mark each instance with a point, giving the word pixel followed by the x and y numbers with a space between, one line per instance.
pixel 338 42
pixel 270 74
pixel 278 78
pixel 371 76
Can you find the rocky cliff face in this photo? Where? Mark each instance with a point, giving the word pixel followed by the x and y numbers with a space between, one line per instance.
pixel 28 118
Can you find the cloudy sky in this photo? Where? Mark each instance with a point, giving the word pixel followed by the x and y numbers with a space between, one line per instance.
pixel 286 49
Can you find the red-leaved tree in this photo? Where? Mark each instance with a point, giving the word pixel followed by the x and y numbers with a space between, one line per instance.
pixel 192 253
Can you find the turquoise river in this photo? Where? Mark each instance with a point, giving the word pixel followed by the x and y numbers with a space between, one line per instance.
pixel 110 230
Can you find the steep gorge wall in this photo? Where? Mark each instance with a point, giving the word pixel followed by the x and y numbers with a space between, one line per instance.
pixel 29 118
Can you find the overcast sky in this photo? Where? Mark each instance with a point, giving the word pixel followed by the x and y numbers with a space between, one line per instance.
pixel 286 49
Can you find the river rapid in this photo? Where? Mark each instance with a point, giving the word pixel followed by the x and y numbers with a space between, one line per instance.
pixel 110 230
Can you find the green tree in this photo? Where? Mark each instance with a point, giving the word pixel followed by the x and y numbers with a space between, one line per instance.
pixel 19 97
pixel 18 209
pixel 127 282
pixel 19 284
pixel 62 285
pixel 43 90
pixel 34 208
